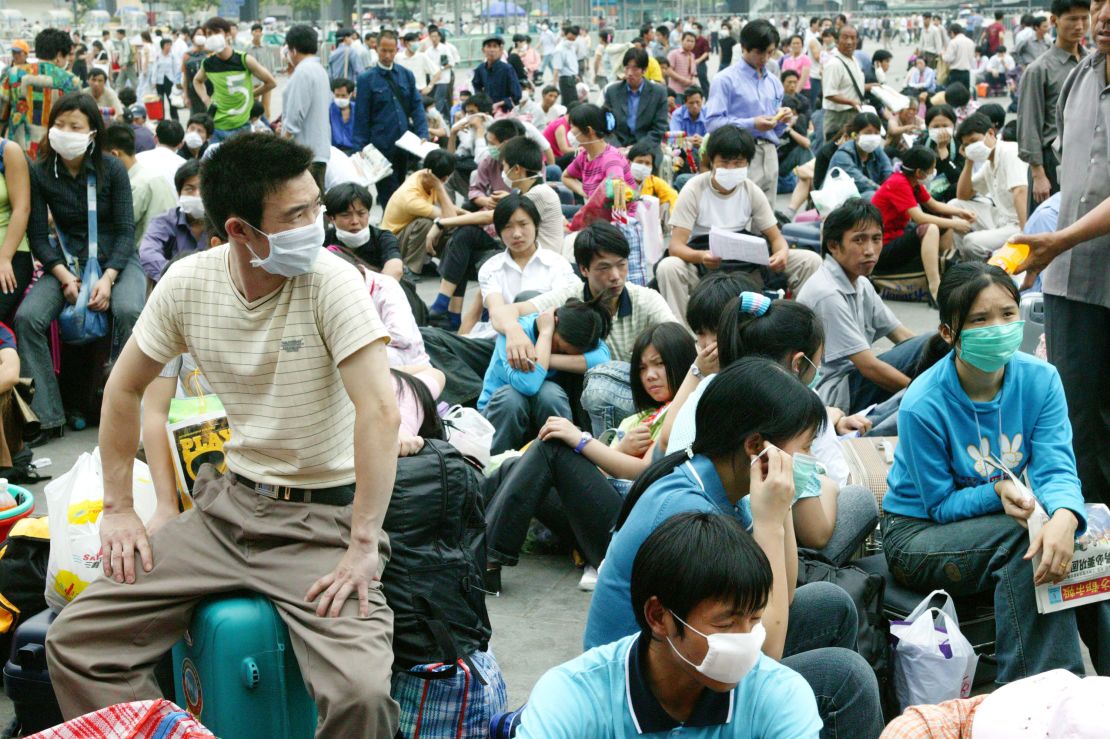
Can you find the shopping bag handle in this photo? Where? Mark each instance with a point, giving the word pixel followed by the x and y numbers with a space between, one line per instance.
pixel 949 607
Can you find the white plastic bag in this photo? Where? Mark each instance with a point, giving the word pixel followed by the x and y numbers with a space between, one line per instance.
pixel 837 188
pixel 933 660
pixel 75 501
pixel 469 432
pixel 648 212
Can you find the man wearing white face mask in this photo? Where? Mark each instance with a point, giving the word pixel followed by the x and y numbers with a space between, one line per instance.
pixel 233 74
pixel 726 199
pixel 695 666
pixel 992 169
pixel 181 229
pixel 287 335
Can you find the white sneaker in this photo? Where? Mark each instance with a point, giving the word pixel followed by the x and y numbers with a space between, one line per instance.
pixel 589 579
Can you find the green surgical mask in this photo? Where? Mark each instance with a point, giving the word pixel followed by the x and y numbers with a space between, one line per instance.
pixel 989 348
pixel 812 384
pixel 494 151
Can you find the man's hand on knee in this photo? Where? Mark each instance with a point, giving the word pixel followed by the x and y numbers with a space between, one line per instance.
pixel 355 573
pixel 122 536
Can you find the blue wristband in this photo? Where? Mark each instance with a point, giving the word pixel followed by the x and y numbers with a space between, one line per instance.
pixel 587 437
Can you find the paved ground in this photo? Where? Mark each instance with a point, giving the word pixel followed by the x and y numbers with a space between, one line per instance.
pixel 539 618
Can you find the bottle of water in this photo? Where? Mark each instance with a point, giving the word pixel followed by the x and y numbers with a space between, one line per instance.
pixel 7 500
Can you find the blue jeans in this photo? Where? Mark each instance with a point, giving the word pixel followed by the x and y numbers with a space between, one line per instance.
pixel 223 135
pixel 857 515
pixel 820 646
pixel 607 396
pixel 553 173
pixel 517 418
pixel 986 554
pixel 902 357
pixel 681 180
pixel 42 306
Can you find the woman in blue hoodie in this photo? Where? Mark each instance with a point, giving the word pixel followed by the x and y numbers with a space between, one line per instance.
pixel 953 519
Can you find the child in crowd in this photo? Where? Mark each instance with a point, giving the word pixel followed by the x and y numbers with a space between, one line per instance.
pixel 982 412
pixel 644 163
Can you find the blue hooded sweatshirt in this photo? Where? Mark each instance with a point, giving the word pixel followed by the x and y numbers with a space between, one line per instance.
pixel 939 471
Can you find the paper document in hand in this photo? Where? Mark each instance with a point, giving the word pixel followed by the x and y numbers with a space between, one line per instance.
pixel 411 143
pixel 738 247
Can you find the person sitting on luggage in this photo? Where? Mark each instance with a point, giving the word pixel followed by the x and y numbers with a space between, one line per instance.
pixel 982 416
pixel 643 157
pixel 917 228
pixel 724 198
pixel 411 212
pixel 347 207
pixel 518 402
pixel 601 253
pixel 699 590
pixel 862 157
pixel 752 419
pixel 940 136
pixel 992 168
pixel 854 316
pixel 255 313
pixel 586 473
pixel 180 230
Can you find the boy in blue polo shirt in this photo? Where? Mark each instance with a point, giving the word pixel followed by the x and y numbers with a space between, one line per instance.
pixel 699 587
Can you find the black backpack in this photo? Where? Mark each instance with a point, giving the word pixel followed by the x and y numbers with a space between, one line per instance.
pixel 22 577
pixel 434 579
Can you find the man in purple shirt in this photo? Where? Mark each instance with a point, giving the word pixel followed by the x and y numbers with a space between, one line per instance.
pixel 180 229
pixel 745 95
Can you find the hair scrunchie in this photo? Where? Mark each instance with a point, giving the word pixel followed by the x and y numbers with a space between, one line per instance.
pixel 610 121
pixel 754 304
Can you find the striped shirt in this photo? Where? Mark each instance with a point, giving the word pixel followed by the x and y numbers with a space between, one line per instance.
pixel 273 361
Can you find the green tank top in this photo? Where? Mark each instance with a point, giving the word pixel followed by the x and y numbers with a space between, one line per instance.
pixel 232 89
pixel 6 215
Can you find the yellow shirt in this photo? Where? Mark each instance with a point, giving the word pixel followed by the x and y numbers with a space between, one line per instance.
pixel 659 188
pixel 411 201
pixel 654 72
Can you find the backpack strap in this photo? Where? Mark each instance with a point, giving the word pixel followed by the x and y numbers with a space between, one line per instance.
pixel 436 622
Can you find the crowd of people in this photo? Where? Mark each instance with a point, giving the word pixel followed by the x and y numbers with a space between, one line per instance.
pixel 657 269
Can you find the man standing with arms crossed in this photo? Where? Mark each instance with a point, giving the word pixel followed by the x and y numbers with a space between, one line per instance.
pixel 287 336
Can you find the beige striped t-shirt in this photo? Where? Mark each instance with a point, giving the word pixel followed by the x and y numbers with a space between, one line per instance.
pixel 273 361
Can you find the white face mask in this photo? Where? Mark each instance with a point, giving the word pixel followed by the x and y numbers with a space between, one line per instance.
pixel 510 182
pixel 215 43
pixel 292 252
pixel 640 172
pixel 194 140
pixel 353 239
pixel 192 205
pixel 730 179
pixel 68 144
pixel 198 40
pixel 730 656
pixel 869 142
pixel 572 140
pixel 978 152
pixel 929 177
pixel 342 103
pixel 936 134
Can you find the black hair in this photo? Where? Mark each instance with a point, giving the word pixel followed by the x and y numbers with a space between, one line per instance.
pixel 638 57
pixel 918 158
pixel 481 101
pixel 758 34
pixel 696 557
pixel 341 197
pixel 955 29
pixel 1059 7
pixel 881 56
pixel 84 103
pixel 387 34
pixel 590 116
pixel 943 109
pixel 693 90
pixel 1001 49
pixel 863 120
pixel 523 152
pixel 509 205
pixel 596 238
pixel 691 34
pixel 786 327
pixel 258 27
pixel 301 39
pixel 975 123
pixel 582 324
pixel 127 98
pixel 257 109
pixel 506 128
pixel 753 395
pixel 427 101
pixel 344 83
pixel 959 287
pixel 549 89
pixel 677 350
pixel 957 95
pixel 995 112
pixel 272 162
pixel 663 30
pixel 50 42
pixel 788 74
pixel 710 296
pixel 431 427
pixel 1038 20
pixel 795 36
pixel 169 132
pixel 853 214
pixel 644 149
pixel 97 72
pixel 191 168
pixel 216 24
pixel 441 162
pixel 730 142
pixel 120 136
pixel 202 119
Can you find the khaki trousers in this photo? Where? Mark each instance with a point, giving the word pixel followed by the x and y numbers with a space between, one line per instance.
pixel 412 239
pixel 764 169
pixel 989 232
pixel 103 647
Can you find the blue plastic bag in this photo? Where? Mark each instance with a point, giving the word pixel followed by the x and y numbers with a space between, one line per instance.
pixel 78 324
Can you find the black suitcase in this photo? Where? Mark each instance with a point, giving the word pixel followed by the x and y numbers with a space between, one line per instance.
pixel 26 681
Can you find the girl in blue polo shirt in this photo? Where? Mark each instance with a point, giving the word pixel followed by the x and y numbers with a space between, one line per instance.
pixel 954 520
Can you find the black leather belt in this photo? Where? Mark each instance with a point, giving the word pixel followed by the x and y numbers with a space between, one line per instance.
pixel 337 496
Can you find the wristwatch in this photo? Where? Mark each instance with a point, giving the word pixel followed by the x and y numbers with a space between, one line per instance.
pixel 436 224
pixel 586 438
pixel 696 372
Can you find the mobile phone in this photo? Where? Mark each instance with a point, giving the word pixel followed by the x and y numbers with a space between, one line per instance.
pixel 443 60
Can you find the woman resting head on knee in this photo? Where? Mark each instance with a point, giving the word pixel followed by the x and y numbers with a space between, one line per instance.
pixel 954 517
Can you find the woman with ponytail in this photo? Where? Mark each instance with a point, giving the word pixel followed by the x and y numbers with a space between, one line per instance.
pixel 755 417
pixel 597 160
pixel 518 402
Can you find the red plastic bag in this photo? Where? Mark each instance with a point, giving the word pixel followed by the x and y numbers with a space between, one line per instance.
pixel 139 720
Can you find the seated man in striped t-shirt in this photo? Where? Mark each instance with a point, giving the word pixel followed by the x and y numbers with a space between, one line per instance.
pixel 286 334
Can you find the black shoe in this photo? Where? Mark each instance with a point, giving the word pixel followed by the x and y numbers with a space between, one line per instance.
pixel 46 435
pixel 493 580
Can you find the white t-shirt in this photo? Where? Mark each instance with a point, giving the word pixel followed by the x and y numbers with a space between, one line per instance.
pixel 700 207
pixel 420 66
pixel 998 176
pixel 500 275
pixel 552 228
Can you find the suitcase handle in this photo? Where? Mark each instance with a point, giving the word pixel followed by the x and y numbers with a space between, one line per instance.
pixel 251 673
pixel 32 657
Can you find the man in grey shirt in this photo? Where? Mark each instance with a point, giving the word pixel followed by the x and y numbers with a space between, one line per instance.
pixel 1039 93
pixel 307 99
pixel 1077 276
pixel 1030 48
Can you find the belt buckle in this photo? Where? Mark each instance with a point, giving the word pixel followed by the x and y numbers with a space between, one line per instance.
pixel 267 491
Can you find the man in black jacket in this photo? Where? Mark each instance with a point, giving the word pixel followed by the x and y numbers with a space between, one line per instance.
pixel 639 106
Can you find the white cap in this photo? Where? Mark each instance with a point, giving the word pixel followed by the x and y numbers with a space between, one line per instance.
pixel 1052 705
